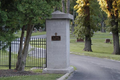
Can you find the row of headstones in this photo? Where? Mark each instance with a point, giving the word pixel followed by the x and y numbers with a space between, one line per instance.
pixel 82 40
pixel 35 29
pixel 106 40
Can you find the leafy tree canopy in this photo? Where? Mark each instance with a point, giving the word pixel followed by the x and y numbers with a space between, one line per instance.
pixel 104 6
pixel 16 13
pixel 111 10
pixel 6 33
pixel 81 23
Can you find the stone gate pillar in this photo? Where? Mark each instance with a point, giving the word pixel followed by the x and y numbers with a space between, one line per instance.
pixel 58 43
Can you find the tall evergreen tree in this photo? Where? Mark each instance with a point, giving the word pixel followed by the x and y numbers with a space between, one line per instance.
pixel 112 9
pixel 86 20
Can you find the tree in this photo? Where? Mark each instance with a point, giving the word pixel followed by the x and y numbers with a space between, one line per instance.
pixel 16 14
pixel 3 18
pixel 8 22
pixel 86 20
pixel 63 5
pixel 54 4
pixel 67 9
pixel 31 12
pixel 67 6
pixel 112 8
pixel 103 17
pixel 72 11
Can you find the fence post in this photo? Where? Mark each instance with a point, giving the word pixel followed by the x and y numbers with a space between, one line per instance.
pixel 10 56
pixel 46 53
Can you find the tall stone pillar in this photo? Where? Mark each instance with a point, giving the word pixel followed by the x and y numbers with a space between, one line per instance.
pixel 58 43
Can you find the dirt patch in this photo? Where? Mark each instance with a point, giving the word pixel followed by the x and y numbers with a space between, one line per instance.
pixel 7 73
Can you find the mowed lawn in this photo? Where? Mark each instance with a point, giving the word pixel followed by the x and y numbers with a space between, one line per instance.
pixel 33 34
pixel 34 77
pixel 99 47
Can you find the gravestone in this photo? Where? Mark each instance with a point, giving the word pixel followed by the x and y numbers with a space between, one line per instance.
pixel 80 40
pixel 107 41
pixel 58 43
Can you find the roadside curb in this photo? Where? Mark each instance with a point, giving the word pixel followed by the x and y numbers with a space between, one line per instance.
pixel 64 76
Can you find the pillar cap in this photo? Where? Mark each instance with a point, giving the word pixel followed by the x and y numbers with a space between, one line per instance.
pixel 61 15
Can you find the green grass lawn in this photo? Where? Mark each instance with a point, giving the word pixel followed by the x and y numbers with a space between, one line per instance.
pixel 99 47
pixel 34 77
pixel 33 34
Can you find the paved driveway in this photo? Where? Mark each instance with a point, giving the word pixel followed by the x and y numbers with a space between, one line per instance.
pixel 90 68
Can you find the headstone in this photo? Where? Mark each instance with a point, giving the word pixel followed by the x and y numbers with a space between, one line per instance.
pixel 80 40
pixel 40 29
pixel 58 43
pixel 35 30
pixel 107 41
pixel 110 32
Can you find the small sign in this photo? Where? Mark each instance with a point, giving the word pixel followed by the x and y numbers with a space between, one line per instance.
pixel 56 38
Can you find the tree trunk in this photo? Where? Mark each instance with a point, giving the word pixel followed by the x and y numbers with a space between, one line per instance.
pixel 119 47
pixel 20 49
pixel 102 26
pixel 63 5
pixel 116 44
pixel 88 29
pixel 115 36
pixel 22 59
pixel 67 6
pixel 73 24
pixel 115 33
pixel 87 44
pixel 114 25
